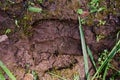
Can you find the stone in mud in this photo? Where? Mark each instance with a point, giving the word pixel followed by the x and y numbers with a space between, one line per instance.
pixel 3 38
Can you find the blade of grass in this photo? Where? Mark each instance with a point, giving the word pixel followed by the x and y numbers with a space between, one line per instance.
pixel 118 35
pixel 35 9
pixel 105 72
pixel 1 76
pixel 6 70
pixel 108 59
pixel 84 50
pixel 57 76
pixel 91 57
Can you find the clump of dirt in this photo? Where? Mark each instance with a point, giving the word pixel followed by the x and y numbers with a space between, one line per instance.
pixel 54 36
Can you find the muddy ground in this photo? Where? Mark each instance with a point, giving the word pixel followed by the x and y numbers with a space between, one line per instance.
pixel 49 41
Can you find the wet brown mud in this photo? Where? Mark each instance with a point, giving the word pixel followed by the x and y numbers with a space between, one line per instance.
pixel 53 41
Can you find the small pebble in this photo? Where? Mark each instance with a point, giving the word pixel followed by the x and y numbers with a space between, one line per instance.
pixel 28 76
pixel 3 38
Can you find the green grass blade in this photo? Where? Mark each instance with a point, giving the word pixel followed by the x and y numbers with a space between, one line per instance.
pixel 1 76
pixel 108 59
pixel 84 50
pixel 6 70
pixel 57 76
pixel 91 57
pixel 118 34
pixel 34 9
pixel 105 72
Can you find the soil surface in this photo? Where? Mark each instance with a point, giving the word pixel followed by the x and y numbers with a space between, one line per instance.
pixel 49 41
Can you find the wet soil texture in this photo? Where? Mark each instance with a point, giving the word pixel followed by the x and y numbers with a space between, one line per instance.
pixel 50 40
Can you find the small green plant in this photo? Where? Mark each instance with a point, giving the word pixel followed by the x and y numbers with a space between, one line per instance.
pixel 102 57
pixel 35 75
pixel 8 31
pixel 76 77
pixel 99 37
pixel 94 6
pixel 80 11
pixel 82 20
pixel 101 22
